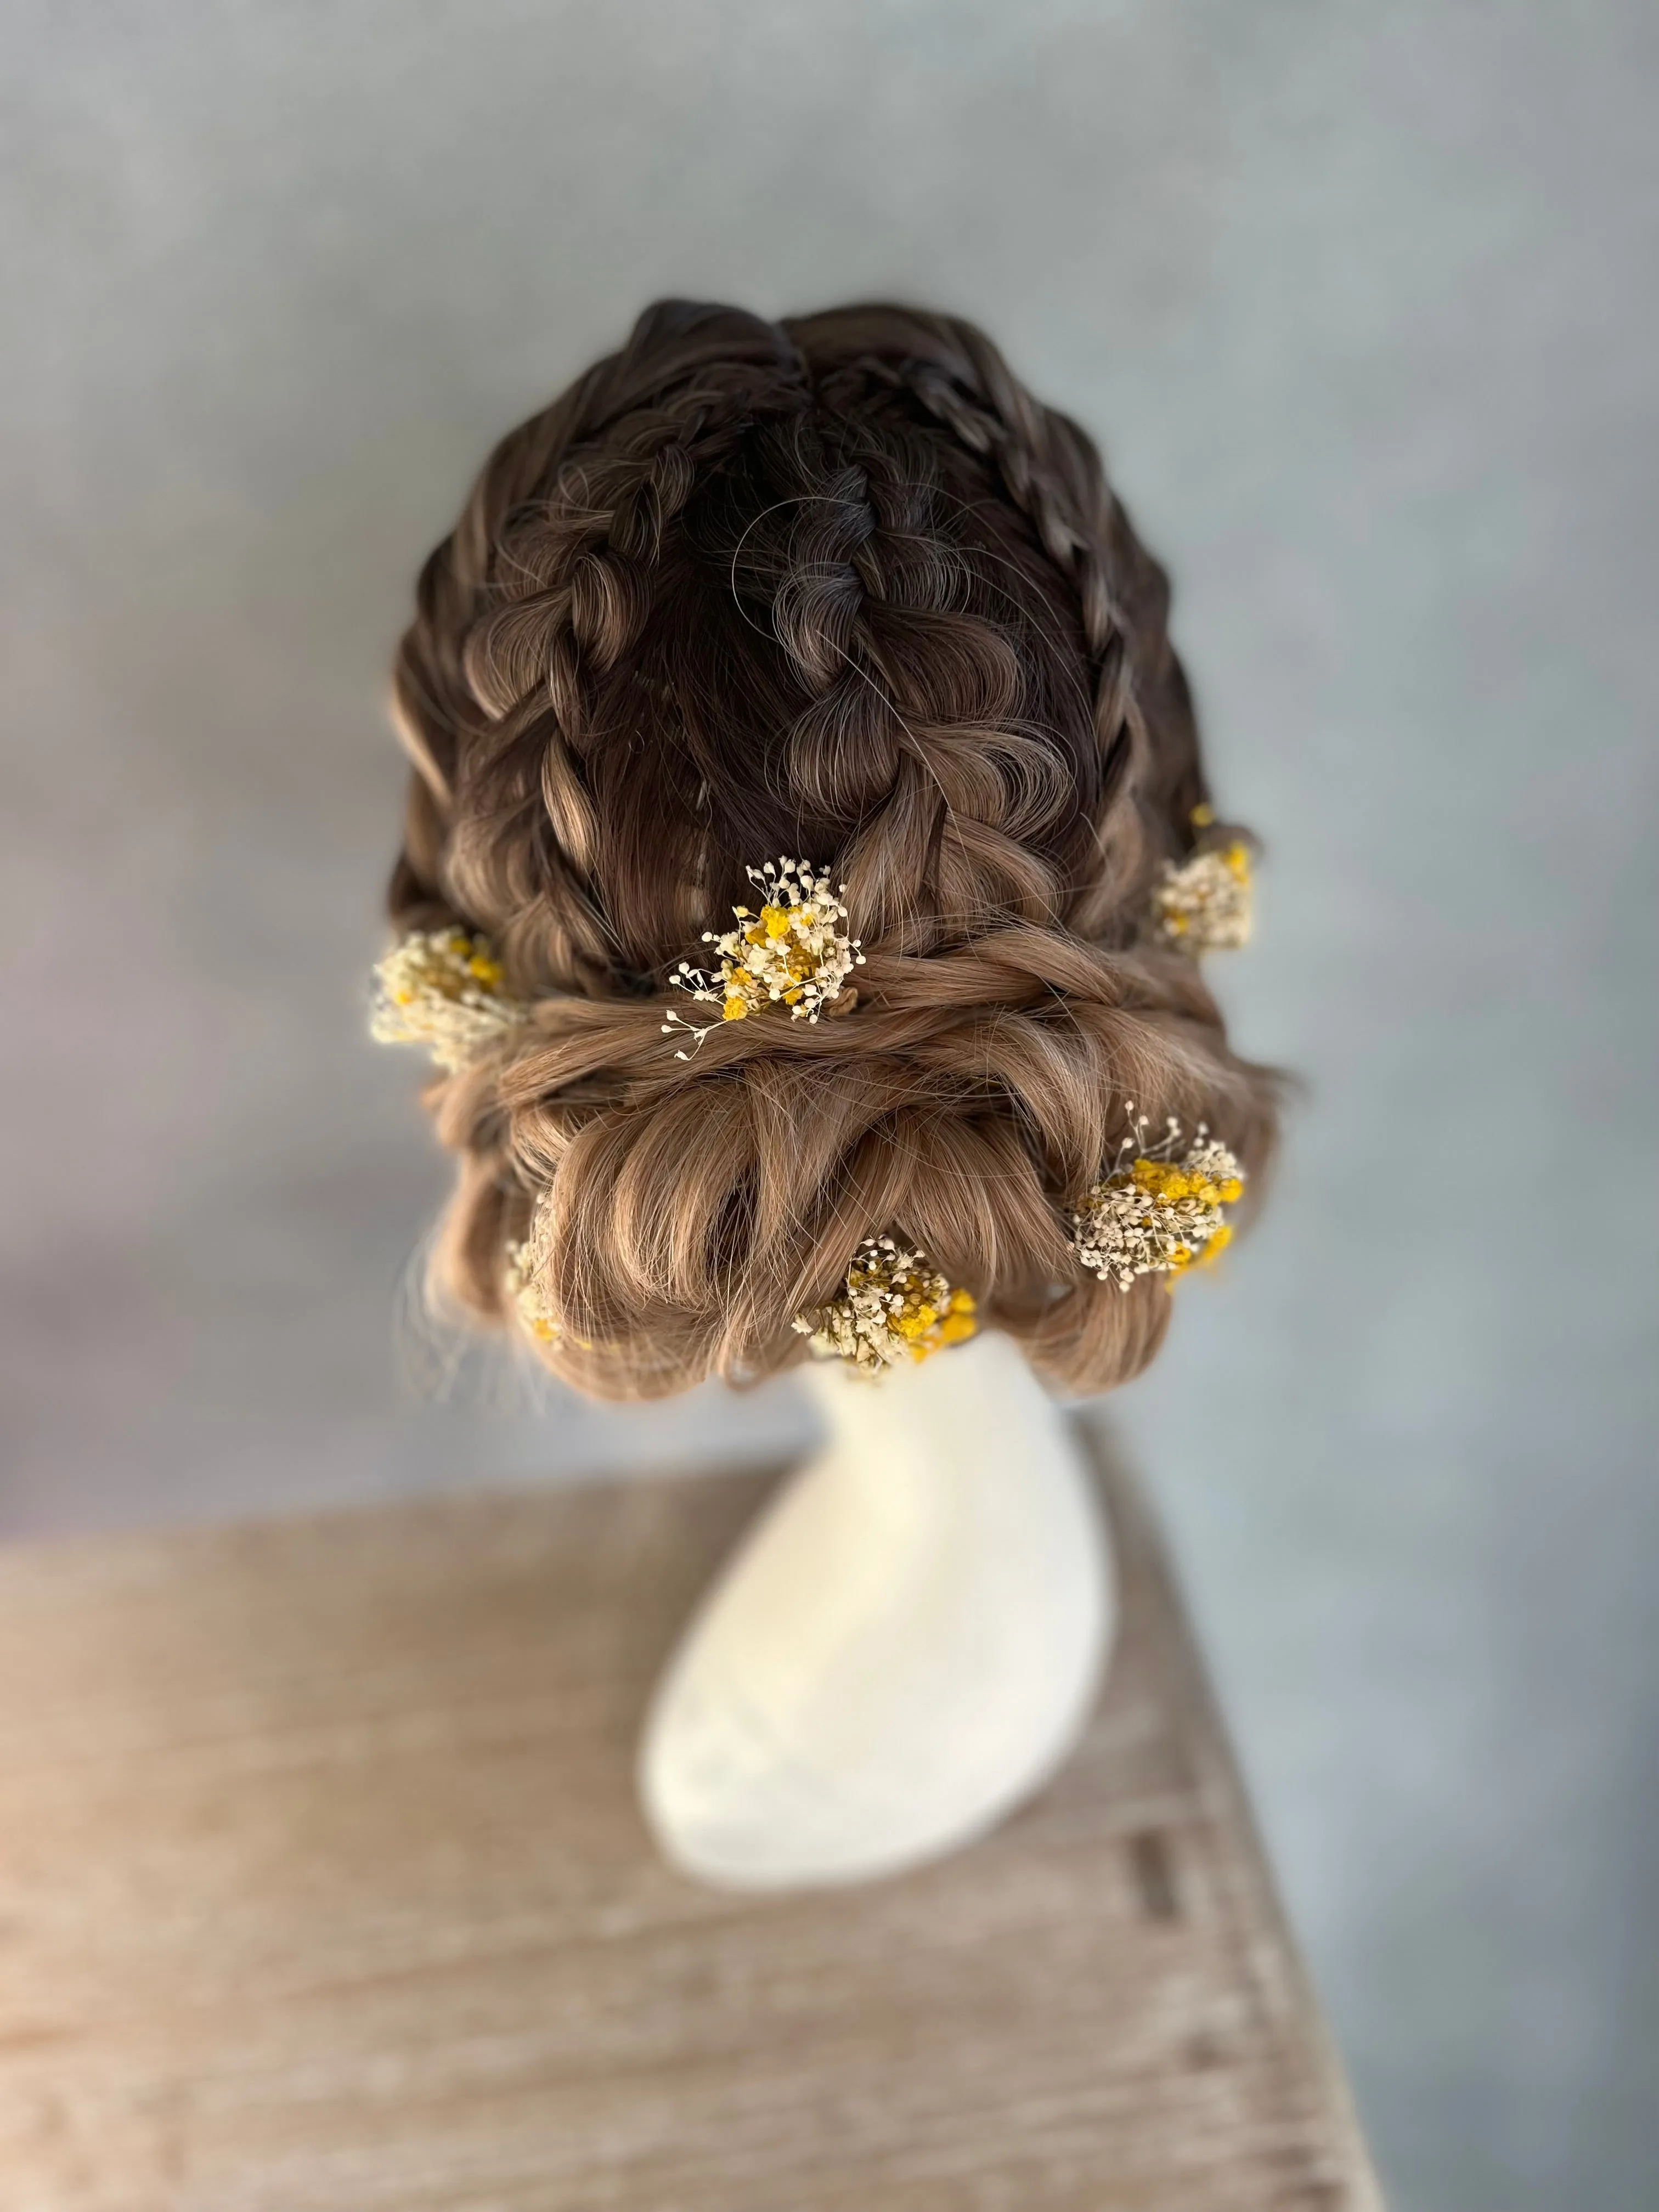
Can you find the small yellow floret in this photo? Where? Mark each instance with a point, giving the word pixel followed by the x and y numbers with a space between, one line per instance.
pixel 1202 903
pixel 526 1298
pixel 1166 1182
pixel 795 951
pixel 443 988
pixel 894 1306
pixel 1157 1210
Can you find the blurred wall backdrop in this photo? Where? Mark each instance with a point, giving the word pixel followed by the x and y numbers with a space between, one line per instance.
pixel 1362 302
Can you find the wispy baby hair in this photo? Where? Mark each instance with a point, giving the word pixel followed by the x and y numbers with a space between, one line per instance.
pixel 836 586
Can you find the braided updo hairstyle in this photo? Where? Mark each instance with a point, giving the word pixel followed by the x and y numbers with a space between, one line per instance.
pixel 839 588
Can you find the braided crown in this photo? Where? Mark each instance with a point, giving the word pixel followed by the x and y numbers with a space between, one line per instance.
pixel 837 586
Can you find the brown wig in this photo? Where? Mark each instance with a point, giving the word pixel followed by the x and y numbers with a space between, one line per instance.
pixel 835 587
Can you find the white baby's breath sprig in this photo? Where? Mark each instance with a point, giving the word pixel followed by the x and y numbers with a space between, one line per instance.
pixel 527 1297
pixel 1204 904
pixel 894 1305
pixel 443 988
pixel 1159 1208
pixel 795 952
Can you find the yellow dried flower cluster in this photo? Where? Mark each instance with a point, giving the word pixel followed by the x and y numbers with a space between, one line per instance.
pixel 894 1306
pixel 1204 904
pixel 795 952
pixel 526 1300
pixel 1157 1211
pixel 442 989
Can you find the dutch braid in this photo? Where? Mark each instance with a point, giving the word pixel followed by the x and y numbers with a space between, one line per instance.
pixel 841 588
pixel 910 739
pixel 1051 471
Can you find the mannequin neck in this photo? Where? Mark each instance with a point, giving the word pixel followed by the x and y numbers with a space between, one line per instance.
pixel 969 1415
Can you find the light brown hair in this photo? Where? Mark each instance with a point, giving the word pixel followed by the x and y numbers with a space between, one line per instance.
pixel 835 587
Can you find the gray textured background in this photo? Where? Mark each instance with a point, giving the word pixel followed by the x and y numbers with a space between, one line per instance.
pixel 1361 301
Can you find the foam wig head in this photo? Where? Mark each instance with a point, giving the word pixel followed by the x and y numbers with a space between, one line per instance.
pixel 836 588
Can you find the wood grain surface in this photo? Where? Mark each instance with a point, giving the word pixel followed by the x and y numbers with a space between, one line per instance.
pixel 322 1889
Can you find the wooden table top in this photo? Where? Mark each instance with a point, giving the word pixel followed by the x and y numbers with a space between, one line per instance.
pixel 323 1889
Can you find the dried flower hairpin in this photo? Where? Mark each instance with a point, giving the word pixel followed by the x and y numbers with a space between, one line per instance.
pixel 525 1296
pixel 443 988
pixel 894 1305
pixel 1159 1208
pixel 1203 904
pixel 795 952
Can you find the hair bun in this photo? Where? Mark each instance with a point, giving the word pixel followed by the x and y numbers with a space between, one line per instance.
pixel 838 587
